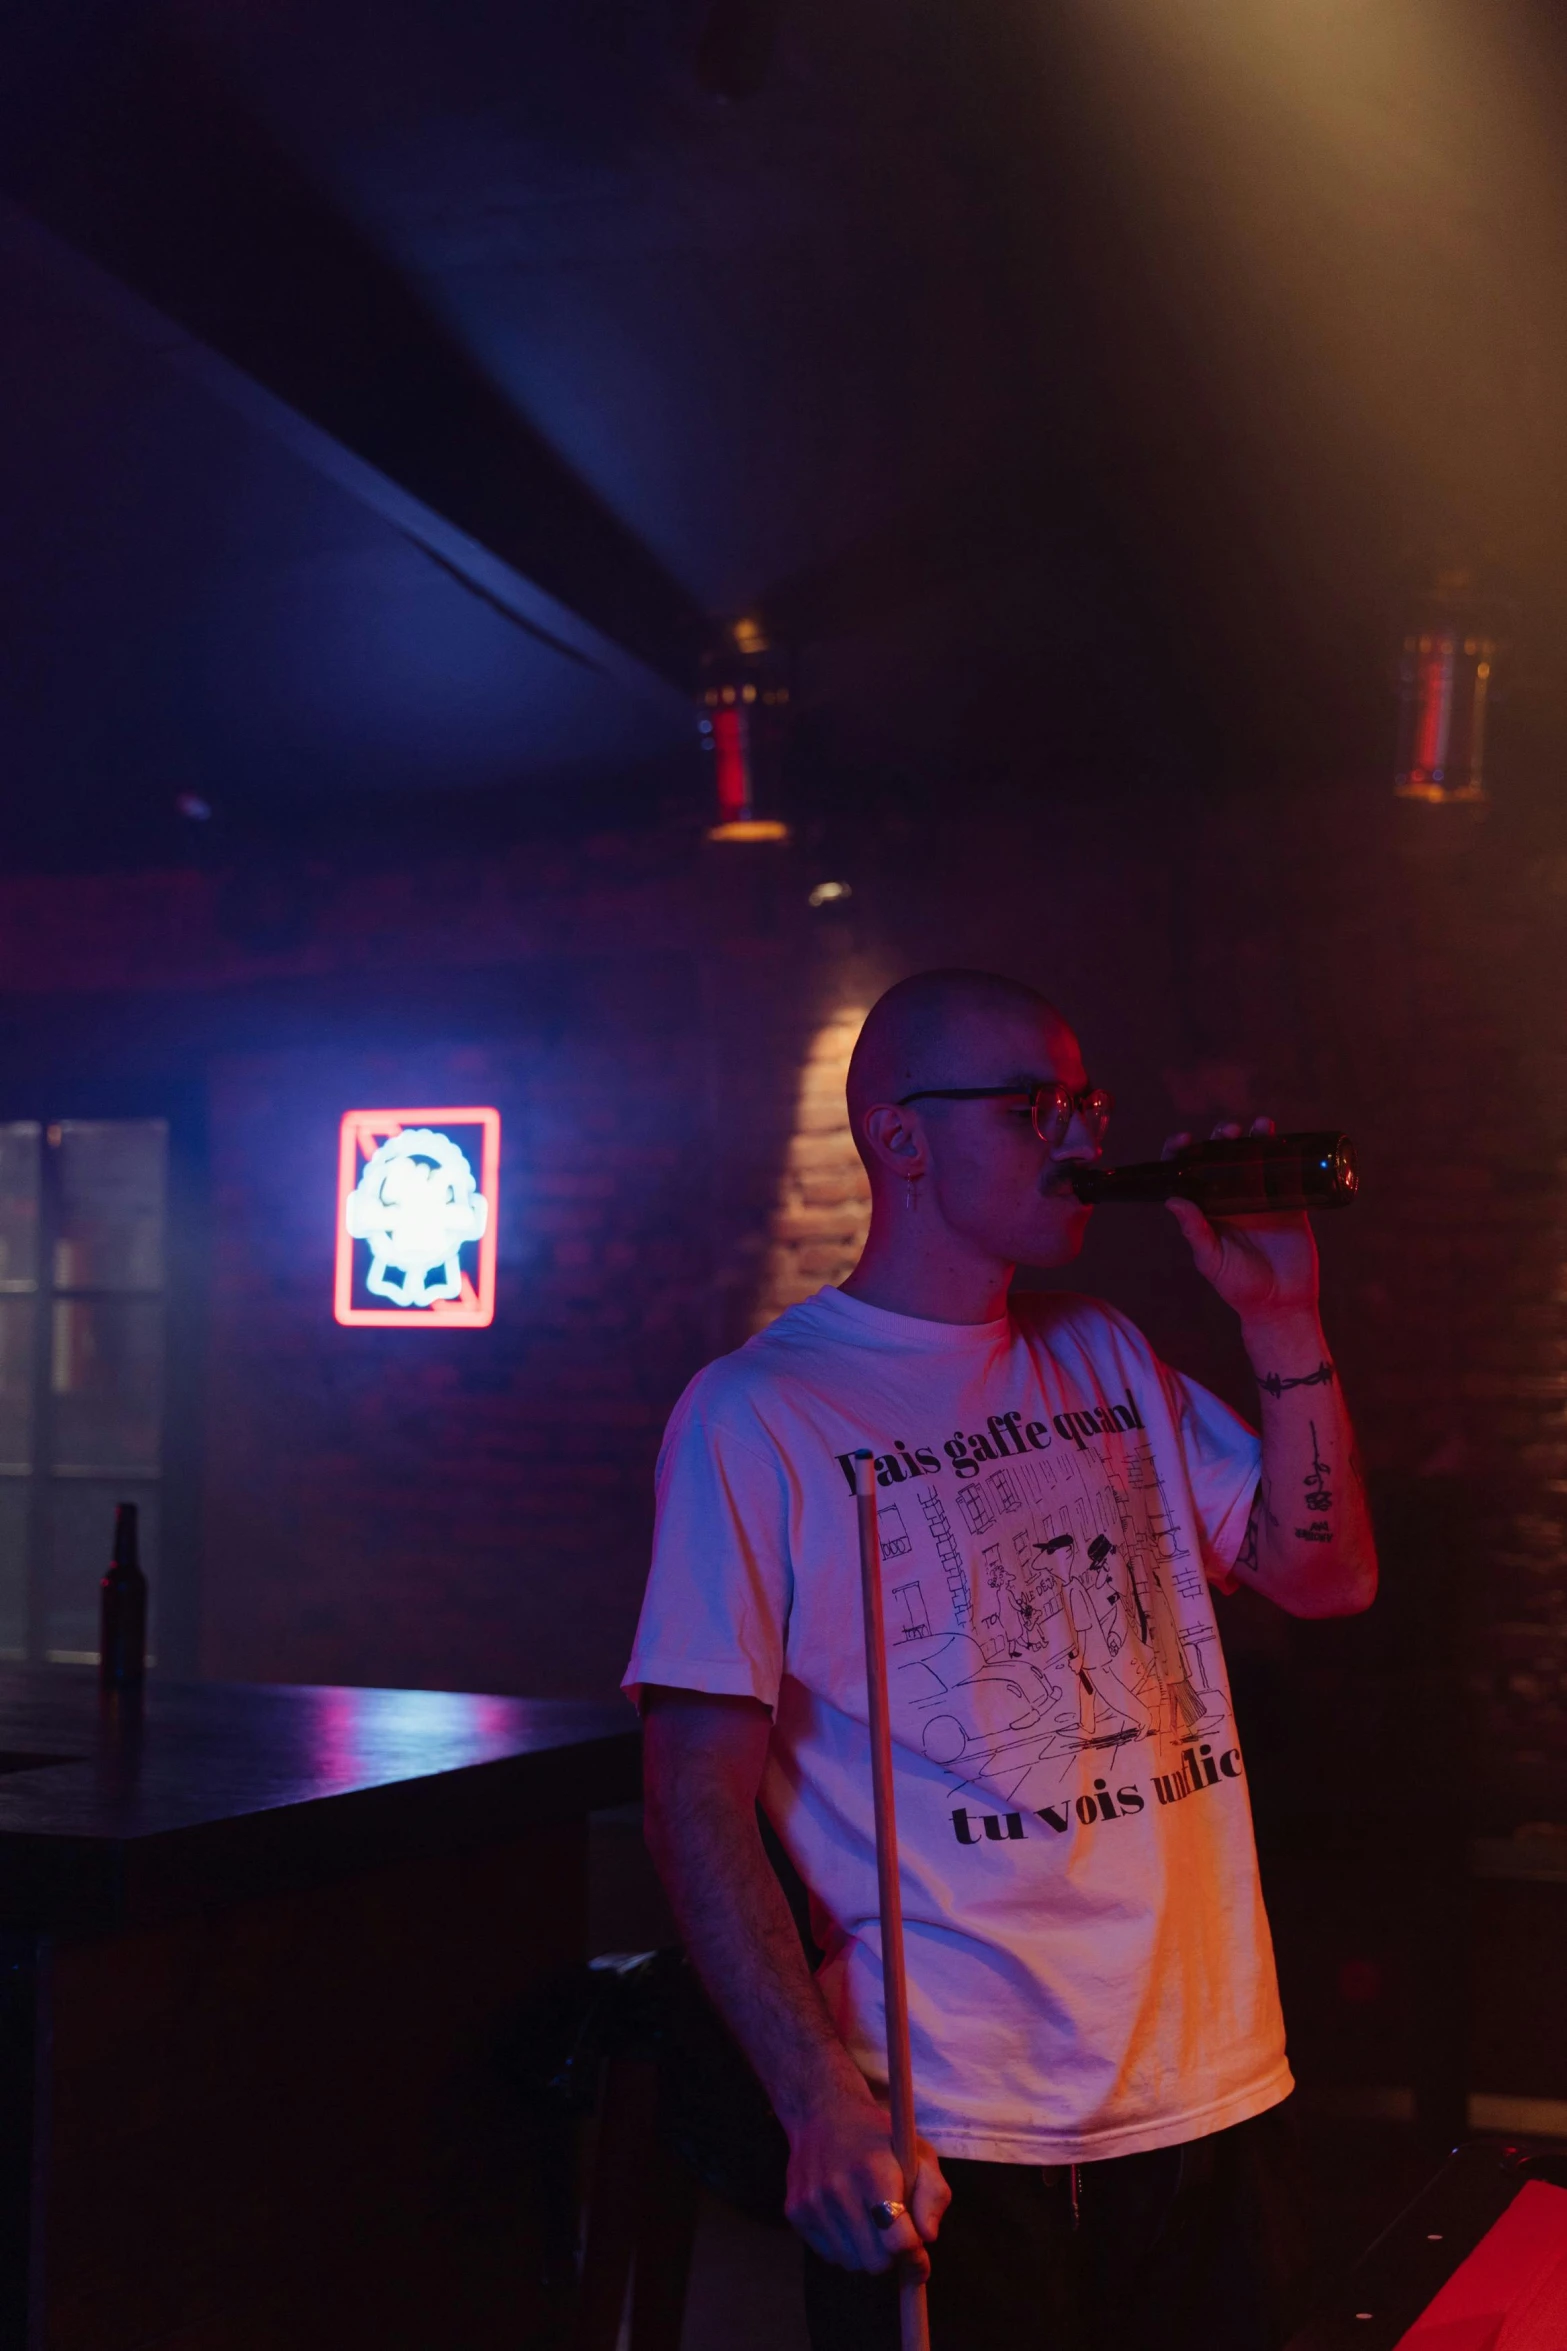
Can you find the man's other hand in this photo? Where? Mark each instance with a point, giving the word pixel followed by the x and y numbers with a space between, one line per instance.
pixel 703 1758
pixel 1265 1267
pixel 841 2164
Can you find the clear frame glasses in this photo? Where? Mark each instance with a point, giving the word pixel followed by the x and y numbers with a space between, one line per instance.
pixel 1052 1105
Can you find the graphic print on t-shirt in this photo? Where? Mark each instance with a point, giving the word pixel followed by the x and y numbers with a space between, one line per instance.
pixel 1088 1956
pixel 1046 1611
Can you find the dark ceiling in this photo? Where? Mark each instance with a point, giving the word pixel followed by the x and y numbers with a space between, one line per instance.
pixel 394 396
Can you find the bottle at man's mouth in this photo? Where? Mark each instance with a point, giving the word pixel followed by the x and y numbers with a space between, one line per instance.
pixel 1247 1175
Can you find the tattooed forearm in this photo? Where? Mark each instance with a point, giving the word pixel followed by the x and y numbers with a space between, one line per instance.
pixel 1309 1544
pixel 1274 1384
pixel 1317 1497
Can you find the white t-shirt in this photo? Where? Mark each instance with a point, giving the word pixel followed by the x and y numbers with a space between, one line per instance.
pixel 1090 1970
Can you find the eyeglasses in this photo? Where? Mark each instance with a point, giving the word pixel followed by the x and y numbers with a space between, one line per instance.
pixel 1053 1105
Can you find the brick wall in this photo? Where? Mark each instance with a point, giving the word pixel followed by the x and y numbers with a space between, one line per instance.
pixel 823 1209
pixel 664 1033
pixel 454 1507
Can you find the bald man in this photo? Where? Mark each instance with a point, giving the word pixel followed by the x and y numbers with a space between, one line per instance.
pixel 1099 2059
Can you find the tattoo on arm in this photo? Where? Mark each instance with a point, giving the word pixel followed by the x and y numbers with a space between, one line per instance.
pixel 1274 1384
pixel 1246 1560
pixel 1317 1497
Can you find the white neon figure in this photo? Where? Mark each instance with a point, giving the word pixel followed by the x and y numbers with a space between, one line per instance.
pixel 416 1204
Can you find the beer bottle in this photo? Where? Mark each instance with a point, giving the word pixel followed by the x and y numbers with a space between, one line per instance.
pixel 122 1637
pixel 1244 1175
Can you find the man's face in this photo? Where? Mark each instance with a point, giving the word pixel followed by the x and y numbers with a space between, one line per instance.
pixel 992 1178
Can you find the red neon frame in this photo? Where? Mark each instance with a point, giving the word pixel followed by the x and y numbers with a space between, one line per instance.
pixel 361 1132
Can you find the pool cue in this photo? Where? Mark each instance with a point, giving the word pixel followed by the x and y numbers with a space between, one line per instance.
pixel 895 1990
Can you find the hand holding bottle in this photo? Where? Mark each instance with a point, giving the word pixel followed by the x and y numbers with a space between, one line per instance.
pixel 1264 1266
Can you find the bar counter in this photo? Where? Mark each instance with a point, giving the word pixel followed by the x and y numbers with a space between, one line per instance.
pixel 260 1951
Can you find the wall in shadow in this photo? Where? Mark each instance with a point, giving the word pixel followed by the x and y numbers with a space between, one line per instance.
pixel 643 1011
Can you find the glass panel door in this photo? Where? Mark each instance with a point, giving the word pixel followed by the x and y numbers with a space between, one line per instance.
pixel 104 1204
pixel 83 1204
pixel 21 1145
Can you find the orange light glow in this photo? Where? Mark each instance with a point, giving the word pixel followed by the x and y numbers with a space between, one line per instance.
pixel 749 828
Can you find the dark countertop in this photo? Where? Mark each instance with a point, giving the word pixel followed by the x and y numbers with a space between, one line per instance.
pixel 207 1792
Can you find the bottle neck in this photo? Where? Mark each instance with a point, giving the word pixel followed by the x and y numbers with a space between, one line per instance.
pixel 1244 1174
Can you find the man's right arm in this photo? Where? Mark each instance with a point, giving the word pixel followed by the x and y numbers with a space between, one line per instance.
pixel 703 1763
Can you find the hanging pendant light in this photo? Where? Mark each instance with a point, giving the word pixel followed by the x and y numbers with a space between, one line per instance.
pixel 1445 683
pixel 742 710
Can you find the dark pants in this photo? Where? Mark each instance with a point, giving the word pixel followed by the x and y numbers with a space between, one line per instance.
pixel 1192 2248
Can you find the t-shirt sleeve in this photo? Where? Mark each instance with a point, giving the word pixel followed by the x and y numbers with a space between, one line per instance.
pixel 1223 1462
pixel 716 1611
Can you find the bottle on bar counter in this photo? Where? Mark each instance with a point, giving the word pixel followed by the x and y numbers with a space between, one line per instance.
pixel 122 1637
pixel 1249 1175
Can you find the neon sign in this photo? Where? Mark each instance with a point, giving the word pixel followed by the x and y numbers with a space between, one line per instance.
pixel 417 1193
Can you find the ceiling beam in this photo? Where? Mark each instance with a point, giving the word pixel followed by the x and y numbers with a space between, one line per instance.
pixel 144 176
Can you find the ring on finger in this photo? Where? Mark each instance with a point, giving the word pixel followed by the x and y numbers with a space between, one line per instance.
pixel 888 2212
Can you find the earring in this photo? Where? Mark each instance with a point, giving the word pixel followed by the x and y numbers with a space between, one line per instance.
pixel 908 1191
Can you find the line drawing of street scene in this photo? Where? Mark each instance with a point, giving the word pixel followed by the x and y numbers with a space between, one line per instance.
pixel 1035 1476
pixel 977 1509
pixel 894 1537
pixel 1004 1487
pixel 1143 1477
pixel 1081 1644
pixel 950 1554
pixel 916 1616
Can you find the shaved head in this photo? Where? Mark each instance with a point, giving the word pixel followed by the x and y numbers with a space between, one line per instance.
pixel 926 1029
pixel 963 1190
